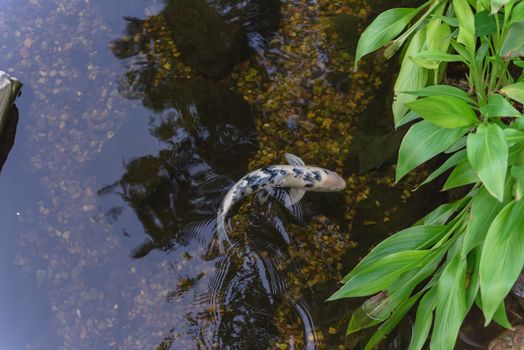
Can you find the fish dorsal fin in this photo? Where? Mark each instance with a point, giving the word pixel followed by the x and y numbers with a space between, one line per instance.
pixel 294 160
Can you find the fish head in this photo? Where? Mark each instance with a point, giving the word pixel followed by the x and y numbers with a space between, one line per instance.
pixel 331 182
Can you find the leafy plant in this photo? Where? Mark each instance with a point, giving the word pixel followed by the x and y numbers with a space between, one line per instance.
pixel 472 250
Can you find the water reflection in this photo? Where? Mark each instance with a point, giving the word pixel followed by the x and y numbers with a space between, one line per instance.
pixel 229 301
pixel 181 152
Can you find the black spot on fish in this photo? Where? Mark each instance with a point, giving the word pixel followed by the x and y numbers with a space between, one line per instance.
pixel 309 177
pixel 308 185
pixel 298 172
pixel 317 176
pixel 283 172
pixel 255 187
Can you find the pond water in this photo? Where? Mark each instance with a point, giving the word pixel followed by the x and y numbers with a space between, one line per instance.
pixel 136 117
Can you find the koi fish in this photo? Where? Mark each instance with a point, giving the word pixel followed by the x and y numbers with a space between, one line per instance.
pixel 296 178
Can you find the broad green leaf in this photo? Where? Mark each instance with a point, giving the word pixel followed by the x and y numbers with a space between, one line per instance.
pixel 488 155
pixel 519 63
pixel 462 175
pixel 496 5
pixel 501 260
pixel 442 90
pixel 392 322
pixel 441 215
pixel 518 124
pixel 363 317
pixel 498 106
pixel 484 23
pixel 513 136
pixel 457 146
pixel 452 161
pixel 444 111
pixel 462 50
pixel 514 91
pixel 410 77
pixel 515 153
pixel 438 35
pixel 450 308
pixel 381 274
pixel 452 21
pixel 412 238
pixel 432 59
pixel 482 52
pixel 383 29
pixel 513 45
pixel 423 320
pixel 404 286
pixel 517 172
pixel 472 291
pixel 517 14
pixel 409 117
pixel 466 21
pixel 380 307
pixel 422 142
pixel 395 45
pixel 501 317
pixel 484 208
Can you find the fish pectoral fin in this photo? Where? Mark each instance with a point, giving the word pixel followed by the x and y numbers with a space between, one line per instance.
pixel 295 195
pixel 294 160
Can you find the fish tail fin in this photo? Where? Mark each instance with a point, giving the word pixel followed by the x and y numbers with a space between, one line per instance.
pixel 222 233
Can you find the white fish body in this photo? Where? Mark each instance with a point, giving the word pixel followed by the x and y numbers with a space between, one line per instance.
pixel 296 177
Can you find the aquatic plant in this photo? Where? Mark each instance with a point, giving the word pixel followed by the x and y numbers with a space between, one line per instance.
pixel 471 250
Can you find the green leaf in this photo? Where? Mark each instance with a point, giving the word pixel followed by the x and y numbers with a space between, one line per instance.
pixel 462 175
pixel 517 14
pixel 381 274
pixel 484 208
pixel 513 136
pixel 518 63
pixel 501 317
pixel 498 106
pixel 513 45
pixel 466 21
pixel 457 146
pixel 413 238
pixel 409 117
pixel 496 5
pixel 383 29
pixel 422 142
pixel 362 317
pixel 450 307
pixel 392 322
pixel 517 172
pixel 452 161
pixel 484 24
pixel 501 260
pixel 443 212
pixel 438 35
pixel 410 77
pixel 472 291
pixel 423 320
pixel 442 90
pixel 514 91
pixel 488 155
pixel 432 59
pixel 444 111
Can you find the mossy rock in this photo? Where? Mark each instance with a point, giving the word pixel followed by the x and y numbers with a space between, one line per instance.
pixel 207 41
